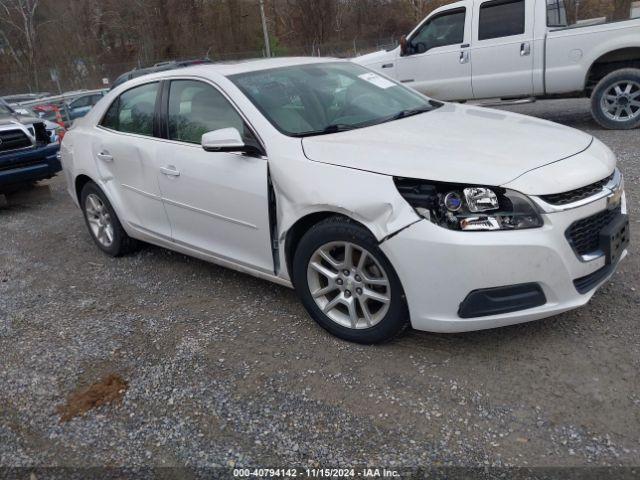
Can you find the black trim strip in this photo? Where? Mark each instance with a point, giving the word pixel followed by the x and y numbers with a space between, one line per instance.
pixel 586 284
pixel 500 300
pixel 160 127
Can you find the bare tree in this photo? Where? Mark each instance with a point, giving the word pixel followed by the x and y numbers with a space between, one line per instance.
pixel 19 20
pixel 87 40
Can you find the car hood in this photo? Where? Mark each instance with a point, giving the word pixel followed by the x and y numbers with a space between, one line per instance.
pixel 8 119
pixel 453 143
pixel 374 57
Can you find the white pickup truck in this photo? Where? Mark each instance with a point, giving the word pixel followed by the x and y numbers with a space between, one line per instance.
pixel 509 49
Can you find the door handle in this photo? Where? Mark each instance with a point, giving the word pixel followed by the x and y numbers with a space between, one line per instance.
pixel 525 49
pixel 170 171
pixel 105 157
pixel 464 57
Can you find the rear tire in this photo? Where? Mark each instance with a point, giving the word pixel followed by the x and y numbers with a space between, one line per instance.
pixel 615 102
pixel 347 284
pixel 103 223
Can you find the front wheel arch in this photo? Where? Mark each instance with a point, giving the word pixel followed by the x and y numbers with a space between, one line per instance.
pixel 358 283
pixel 302 226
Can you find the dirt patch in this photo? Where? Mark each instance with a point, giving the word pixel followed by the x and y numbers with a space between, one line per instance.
pixel 110 389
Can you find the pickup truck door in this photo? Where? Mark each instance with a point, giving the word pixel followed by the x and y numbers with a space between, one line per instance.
pixel 501 54
pixel 436 61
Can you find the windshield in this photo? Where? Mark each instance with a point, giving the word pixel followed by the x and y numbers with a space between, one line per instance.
pixel 4 108
pixel 316 99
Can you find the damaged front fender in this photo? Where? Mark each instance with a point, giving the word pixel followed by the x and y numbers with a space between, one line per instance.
pixel 304 188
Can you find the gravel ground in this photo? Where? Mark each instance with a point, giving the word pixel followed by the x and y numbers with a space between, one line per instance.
pixel 224 369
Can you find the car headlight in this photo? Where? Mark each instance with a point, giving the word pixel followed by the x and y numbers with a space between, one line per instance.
pixel 469 207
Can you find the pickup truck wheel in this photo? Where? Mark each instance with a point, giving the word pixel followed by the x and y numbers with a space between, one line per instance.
pixel 615 102
pixel 102 222
pixel 347 284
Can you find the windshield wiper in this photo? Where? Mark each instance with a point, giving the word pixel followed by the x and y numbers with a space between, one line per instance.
pixel 410 112
pixel 333 128
pixel 343 127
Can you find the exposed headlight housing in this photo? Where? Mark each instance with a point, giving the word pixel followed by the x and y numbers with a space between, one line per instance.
pixel 469 207
pixel 481 199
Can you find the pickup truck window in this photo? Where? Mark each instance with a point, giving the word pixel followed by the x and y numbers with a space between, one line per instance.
pixel 501 18
pixel 132 112
pixel 556 13
pixel 443 29
pixel 575 13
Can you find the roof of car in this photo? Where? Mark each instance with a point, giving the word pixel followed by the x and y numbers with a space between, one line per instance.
pixel 244 66
pixel 222 68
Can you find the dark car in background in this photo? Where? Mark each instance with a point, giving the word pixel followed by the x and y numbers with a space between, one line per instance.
pixel 158 67
pixel 80 106
pixel 28 153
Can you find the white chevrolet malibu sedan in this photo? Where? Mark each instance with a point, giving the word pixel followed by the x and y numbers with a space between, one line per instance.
pixel 383 208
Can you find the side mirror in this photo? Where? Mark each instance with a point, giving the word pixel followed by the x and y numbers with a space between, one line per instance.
pixel 223 140
pixel 404 45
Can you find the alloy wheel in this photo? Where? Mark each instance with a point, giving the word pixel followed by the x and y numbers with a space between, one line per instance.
pixel 621 102
pixel 349 285
pixel 99 220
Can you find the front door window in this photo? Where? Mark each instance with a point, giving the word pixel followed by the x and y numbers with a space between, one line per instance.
pixel 196 108
pixel 442 30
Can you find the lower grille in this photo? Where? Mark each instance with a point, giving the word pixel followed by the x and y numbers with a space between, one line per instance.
pixel 584 235
pixel 13 140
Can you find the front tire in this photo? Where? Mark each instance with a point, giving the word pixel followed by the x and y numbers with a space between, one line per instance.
pixel 615 102
pixel 103 224
pixel 347 284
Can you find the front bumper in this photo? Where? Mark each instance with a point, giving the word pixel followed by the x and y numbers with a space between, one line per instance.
pixel 29 165
pixel 438 269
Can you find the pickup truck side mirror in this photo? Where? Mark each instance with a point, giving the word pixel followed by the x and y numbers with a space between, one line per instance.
pixel 404 45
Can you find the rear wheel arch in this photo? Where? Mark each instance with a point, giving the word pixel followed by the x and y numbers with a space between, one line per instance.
pixel 99 215
pixel 615 101
pixel 609 62
pixel 80 181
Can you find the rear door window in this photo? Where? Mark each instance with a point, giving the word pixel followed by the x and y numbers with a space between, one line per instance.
pixel 501 18
pixel 133 111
